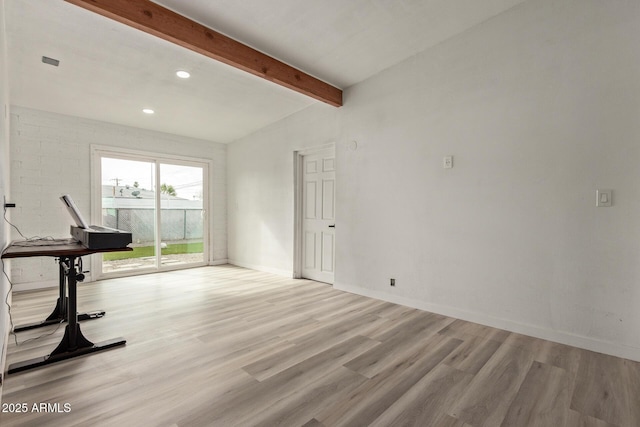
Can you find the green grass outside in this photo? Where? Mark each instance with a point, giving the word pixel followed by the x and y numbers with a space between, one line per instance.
pixel 146 251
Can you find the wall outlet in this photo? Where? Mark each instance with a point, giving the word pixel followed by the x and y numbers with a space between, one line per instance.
pixel 392 282
pixel 447 162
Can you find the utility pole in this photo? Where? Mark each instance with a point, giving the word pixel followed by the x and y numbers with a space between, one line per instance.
pixel 113 191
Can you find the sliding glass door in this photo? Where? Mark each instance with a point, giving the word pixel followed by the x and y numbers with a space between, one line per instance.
pixel 162 202
pixel 128 190
pixel 182 214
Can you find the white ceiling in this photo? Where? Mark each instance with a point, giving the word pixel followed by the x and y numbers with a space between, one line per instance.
pixel 110 72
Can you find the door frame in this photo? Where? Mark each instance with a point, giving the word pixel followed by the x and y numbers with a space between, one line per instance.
pixel 298 186
pixel 128 154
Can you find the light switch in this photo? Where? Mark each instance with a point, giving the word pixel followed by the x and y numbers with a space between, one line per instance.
pixel 603 198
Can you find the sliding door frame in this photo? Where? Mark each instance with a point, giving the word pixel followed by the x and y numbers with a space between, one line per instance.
pixel 99 151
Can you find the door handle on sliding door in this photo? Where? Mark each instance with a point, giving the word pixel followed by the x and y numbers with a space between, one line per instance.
pixel 332 226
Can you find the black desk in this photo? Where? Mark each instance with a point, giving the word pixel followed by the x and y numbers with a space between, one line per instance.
pixel 73 343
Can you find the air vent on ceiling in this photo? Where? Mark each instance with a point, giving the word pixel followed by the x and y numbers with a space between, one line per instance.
pixel 50 61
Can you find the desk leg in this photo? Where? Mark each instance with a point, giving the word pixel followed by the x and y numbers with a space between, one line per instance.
pixel 59 313
pixel 73 343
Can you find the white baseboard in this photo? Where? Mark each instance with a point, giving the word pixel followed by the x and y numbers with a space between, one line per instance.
pixel 584 342
pixel 31 286
pixel 279 272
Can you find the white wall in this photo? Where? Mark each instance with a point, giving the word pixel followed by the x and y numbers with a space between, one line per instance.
pixel 50 156
pixel 4 184
pixel 260 188
pixel 539 107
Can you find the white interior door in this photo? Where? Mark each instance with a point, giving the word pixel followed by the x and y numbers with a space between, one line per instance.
pixel 318 216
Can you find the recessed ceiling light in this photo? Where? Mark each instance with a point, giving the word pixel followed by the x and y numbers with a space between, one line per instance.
pixel 148 111
pixel 183 74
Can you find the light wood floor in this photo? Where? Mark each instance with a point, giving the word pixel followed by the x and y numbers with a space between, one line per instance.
pixel 225 346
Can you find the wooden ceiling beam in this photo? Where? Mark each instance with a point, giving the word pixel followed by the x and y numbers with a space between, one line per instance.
pixel 173 27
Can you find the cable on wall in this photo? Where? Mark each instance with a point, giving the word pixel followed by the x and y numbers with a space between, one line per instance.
pixel 46 241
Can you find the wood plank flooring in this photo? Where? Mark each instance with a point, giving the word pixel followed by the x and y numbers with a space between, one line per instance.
pixel 226 346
